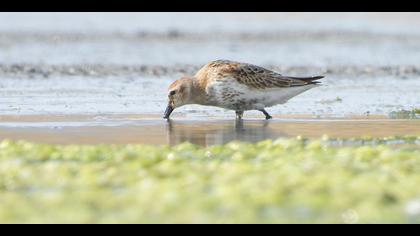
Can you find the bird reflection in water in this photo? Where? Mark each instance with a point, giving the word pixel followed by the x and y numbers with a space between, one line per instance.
pixel 220 132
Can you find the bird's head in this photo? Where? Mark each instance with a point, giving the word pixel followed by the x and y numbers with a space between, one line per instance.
pixel 179 94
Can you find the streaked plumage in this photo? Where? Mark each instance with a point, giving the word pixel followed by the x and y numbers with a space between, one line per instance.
pixel 238 86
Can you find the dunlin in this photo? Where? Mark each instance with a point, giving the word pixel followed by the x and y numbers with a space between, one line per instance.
pixel 236 86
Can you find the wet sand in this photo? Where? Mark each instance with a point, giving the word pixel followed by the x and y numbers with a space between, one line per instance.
pixel 139 129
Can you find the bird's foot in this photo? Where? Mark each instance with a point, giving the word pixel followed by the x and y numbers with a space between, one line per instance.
pixel 267 116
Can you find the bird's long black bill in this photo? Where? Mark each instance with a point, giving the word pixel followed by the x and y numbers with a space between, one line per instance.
pixel 168 112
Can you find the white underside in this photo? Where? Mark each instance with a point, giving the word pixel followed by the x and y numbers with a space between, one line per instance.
pixel 252 99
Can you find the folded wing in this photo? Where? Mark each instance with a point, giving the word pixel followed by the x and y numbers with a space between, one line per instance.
pixel 257 77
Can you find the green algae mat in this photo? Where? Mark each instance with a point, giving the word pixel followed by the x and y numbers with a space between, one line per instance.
pixel 274 181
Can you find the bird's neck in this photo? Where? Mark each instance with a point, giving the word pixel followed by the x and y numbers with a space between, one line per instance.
pixel 198 92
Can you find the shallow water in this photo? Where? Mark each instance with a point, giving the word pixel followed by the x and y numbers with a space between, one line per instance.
pixel 338 97
pixel 260 38
pixel 203 22
pixel 202 132
pixel 291 51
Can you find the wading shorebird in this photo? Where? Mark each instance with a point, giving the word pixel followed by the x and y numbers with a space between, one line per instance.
pixel 236 86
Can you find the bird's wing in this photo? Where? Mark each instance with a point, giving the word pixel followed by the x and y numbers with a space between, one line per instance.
pixel 257 77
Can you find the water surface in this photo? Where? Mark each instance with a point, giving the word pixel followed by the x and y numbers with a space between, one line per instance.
pixel 201 132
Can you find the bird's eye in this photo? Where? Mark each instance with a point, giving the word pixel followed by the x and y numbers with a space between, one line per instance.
pixel 172 93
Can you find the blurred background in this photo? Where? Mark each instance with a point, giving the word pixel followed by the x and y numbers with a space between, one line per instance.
pixel 72 63
pixel 289 39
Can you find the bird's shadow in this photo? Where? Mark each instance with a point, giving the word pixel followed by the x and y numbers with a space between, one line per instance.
pixel 212 133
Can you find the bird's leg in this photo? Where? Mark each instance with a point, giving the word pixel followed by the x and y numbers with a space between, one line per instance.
pixel 239 115
pixel 267 116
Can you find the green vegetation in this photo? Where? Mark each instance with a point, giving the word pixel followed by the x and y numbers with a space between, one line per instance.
pixel 405 114
pixel 281 181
